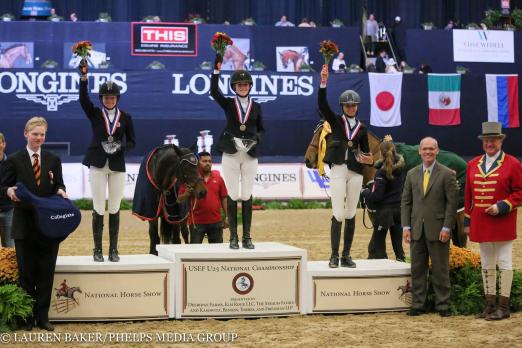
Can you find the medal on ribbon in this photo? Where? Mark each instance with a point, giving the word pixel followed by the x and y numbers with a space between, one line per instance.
pixel 111 146
pixel 350 134
pixel 241 115
pixel 111 127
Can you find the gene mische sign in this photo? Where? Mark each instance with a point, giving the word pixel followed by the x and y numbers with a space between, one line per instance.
pixel 164 39
pixel 241 287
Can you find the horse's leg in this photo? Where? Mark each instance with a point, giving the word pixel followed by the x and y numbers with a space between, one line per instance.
pixel 165 232
pixel 460 238
pixel 153 236
pixel 175 231
pixel 184 231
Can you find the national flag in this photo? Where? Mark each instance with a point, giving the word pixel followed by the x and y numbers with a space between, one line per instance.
pixel 502 97
pixel 385 95
pixel 444 99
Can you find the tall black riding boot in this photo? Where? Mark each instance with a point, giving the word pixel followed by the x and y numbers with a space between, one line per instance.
pixel 246 214
pixel 335 239
pixel 232 222
pixel 114 228
pixel 97 233
pixel 349 231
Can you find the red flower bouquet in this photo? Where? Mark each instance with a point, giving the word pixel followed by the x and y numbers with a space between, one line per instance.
pixel 82 49
pixel 220 42
pixel 328 49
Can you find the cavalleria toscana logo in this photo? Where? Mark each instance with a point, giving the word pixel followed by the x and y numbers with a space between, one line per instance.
pixel 243 283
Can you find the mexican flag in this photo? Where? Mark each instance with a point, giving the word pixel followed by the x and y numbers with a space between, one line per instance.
pixel 444 99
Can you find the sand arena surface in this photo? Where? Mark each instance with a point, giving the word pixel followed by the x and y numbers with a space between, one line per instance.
pixel 308 229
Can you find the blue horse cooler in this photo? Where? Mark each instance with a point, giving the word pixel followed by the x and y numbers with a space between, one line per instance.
pixel 57 217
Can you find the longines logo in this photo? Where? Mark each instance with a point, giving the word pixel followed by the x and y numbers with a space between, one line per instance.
pixel 243 283
pixel 266 87
pixel 53 88
pixel 269 179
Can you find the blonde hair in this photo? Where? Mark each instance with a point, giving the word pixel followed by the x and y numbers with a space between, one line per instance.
pixel 389 154
pixel 35 122
pixel 2 138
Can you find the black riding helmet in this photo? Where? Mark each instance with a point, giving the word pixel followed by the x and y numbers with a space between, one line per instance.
pixel 240 76
pixel 109 88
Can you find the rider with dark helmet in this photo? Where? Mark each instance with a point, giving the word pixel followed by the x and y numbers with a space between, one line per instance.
pixel 237 142
pixel 347 150
pixel 112 135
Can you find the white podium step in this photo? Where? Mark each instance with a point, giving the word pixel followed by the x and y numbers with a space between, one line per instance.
pixel 373 286
pixel 137 287
pixel 214 281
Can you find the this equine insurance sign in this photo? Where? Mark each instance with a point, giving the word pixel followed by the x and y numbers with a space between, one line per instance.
pixel 164 39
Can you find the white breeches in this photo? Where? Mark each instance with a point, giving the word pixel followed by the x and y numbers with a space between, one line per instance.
pixel 345 188
pixel 237 168
pixel 496 253
pixel 99 178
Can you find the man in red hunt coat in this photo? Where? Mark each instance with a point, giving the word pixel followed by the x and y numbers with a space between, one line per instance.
pixel 493 192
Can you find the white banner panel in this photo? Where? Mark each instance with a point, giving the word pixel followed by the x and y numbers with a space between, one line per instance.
pixel 314 186
pixel 273 181
pixel 277 181
pixel 73 178
pixel 488 46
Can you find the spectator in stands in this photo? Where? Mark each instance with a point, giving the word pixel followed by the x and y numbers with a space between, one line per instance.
pixel 6 208
pixel 391 66
pixel 105 159
pixel 398 35
pixel 305 23
pixel 338 61
pixel 284 22
pixel 226 22
pixel 312 24
pixel 371 34
pixel 54 16
pixel 341 70
pixel 449 26
pixel 206 216
pixel 238 142
pixel 73 17
pixel 40 172
pixel 425 69
pixel 370 66
pixel 384 196
pixel 346 154
pixel 380 65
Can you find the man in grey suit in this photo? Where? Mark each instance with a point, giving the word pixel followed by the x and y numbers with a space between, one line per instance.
pixel 428 210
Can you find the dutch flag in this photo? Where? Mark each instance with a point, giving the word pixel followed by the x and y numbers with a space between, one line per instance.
pixel 502 97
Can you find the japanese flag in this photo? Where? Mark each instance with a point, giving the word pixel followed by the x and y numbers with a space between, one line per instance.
pixel 385 96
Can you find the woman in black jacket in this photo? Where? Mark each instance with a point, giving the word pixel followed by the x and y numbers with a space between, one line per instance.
pixel 347 151
pixel 238 142
pixel 384 197
pixel 105 159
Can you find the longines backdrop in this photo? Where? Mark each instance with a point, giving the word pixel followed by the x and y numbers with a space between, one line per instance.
pixel 176 100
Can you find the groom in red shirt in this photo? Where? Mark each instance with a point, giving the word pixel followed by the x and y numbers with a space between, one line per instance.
pixel 207 218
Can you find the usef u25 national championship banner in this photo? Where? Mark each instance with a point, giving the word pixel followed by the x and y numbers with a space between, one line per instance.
pixel 164 39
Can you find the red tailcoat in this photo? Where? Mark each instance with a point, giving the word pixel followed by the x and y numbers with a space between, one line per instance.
pixel 503 182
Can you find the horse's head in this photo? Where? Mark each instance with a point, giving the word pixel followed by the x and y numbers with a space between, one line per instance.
pixel 313 149
pixel 286 56
pixel 188 172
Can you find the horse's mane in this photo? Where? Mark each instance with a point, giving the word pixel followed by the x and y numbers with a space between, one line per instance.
pixel 3 50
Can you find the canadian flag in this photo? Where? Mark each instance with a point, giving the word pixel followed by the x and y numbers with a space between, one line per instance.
pixel 385 95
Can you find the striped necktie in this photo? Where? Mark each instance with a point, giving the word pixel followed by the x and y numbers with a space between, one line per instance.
pixel 36 169
pixel 426 180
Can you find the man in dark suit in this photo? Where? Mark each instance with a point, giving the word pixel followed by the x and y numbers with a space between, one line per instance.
pixel 41 172
pixel 428 210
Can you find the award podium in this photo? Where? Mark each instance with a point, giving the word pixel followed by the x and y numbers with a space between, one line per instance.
pixel 214 281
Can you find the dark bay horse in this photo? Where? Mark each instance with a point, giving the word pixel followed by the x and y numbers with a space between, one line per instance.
pixel 412 158
pixel 161 175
